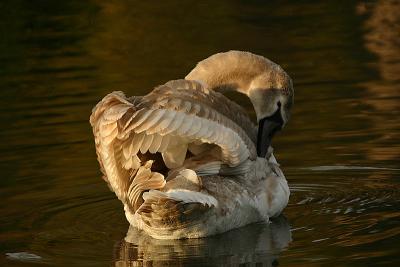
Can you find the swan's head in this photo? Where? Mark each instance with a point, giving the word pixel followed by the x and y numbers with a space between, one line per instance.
pixel 272 96
pixel 268 86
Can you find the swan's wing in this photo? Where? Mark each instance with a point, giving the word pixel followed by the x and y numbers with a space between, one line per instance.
pixel 166 121
pixel 124 172
pixel 205 116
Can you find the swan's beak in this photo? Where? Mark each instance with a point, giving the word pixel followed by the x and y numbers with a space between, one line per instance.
pixel 267 128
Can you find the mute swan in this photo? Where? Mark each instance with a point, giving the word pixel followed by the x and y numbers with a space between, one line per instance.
pixel 186 161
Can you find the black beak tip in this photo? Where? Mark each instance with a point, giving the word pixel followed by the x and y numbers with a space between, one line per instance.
pixel 267 128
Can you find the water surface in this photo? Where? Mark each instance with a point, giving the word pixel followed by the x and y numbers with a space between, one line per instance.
pixel 340 151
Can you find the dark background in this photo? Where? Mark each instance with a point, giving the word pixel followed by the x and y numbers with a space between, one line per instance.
pixel 340 151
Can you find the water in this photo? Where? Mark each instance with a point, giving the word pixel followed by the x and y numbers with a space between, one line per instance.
pixel 340 152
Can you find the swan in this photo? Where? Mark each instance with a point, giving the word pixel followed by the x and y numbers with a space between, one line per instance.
pixel 187 162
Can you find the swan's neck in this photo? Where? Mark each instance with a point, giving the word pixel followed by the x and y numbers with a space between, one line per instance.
pixel 226 79
pixel 241 72
pixel 232 77
pixel 233 71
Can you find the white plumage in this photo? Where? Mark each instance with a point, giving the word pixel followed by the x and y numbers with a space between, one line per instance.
pixel 183 158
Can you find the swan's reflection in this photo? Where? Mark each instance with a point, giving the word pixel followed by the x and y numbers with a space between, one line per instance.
pixel 255 243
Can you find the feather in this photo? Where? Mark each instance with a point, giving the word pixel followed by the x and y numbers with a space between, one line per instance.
pixel 186 107
pixel 164 143
pixel 175 124
pixel 174 156
pixel 140 117
pixel 108 129
pixel 150 121
pixel 186 125
pixel 204 130
pixel 148 139
pixel 174 103
pixel 192 197
pixel 127 148
pixel 196 126
pixel 164 122
pixel 137 142
pixel 115 112
pixel 155 145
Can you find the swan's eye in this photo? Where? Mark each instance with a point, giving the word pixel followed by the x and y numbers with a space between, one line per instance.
pixel 279 104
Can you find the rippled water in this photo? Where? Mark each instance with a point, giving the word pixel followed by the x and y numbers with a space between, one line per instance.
pixel 340 152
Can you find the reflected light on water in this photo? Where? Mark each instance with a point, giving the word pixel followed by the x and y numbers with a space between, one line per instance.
pixel 382 35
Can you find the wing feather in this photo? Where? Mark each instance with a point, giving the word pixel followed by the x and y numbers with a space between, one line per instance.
pixel 175 155
pixel 167 120
pixel 164 122
pixel 115 147
pixel 164 143
pixel 150 121
pixel 137 142
pixel 196 127
pixel 155 145
pixel 176 123
pixel 186 125
pixel 148 139
pixel 140 117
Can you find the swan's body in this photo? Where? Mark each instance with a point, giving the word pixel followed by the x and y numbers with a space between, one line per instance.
pixel 229 178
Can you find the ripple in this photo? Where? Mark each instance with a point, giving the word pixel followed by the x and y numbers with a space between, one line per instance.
pixel 353 211
pixel 360 197
pixel 339 167
pixel 73 228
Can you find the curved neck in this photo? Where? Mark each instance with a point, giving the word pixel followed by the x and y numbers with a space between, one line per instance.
pixel 224 79
pixel 241 72
pixel 230 78
pixel 231 71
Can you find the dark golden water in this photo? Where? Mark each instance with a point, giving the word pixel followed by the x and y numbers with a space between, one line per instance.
pixel 340 151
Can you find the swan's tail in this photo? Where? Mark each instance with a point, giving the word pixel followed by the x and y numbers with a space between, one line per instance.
pixel 175 213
